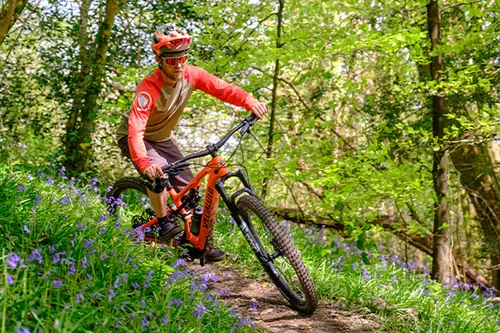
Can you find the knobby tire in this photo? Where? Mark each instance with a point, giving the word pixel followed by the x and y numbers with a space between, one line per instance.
pixel 304 300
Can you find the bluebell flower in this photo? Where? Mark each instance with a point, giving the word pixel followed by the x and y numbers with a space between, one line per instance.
pixel 164 320
pixel 111 294
pixel 135 285
pixel 67 307
pixel 144 322
pixel 150 275
pixel 72 269
pixel 118 283
pixel 26 229
pixel 84 262
pixel 79 298
pixel 13 260
pixel 64 201
pixel 143 302
pixel 57 283
pixel 175 302
pixel 88 243
pixel 23 330
pixel 366 274
pixel 10 280
pixel 253 305
pixel 200 310
pixel 57 258
pixel 49 181
pixel 21 188
pixel 180 262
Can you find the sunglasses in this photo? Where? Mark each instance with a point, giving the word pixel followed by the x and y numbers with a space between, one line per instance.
pixel 175 61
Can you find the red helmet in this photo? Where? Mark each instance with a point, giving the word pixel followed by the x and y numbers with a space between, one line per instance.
pixel 170 41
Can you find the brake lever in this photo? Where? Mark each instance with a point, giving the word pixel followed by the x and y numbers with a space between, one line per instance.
pixel 158 184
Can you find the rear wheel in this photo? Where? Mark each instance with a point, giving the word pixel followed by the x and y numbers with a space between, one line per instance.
pixel 128 194
pixel 278 255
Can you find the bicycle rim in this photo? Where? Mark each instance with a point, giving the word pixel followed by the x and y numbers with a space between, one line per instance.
pixel 278 255
pixel 128 198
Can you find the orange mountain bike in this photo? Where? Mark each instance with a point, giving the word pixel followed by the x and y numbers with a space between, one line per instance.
pixel 268 240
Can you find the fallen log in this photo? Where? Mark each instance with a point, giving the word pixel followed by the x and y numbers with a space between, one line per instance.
pixel 392 224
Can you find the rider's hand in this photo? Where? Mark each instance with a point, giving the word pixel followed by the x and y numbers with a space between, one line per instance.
pixel 153 171
pixel 259 110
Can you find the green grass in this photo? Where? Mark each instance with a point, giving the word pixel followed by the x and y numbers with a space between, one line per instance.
pixel 388 289
pixel 67 267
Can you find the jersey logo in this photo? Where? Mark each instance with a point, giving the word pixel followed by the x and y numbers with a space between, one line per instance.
pixel 144 102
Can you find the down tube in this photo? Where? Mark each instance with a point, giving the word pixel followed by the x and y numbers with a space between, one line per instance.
pixel 239 220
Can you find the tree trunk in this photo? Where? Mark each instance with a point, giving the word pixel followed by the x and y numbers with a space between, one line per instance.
pixel 8 16
pixel 79 141
pixel 441 264
pixel 473 163
pixel 270 143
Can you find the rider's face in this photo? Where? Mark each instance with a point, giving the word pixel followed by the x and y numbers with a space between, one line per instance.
pixel 173 68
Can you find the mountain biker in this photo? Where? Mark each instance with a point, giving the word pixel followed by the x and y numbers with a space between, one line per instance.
pixel 144 134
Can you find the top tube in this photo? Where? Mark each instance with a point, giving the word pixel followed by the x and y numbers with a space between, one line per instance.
pixel 212 148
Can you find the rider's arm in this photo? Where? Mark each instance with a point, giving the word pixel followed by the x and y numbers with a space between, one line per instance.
pixel 143 104
pixel 226 92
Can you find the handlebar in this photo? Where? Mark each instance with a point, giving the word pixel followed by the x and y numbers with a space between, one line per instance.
pixel 212 148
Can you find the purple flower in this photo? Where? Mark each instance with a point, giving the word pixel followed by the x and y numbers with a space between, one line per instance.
pixel 23 330
pixel 118 283
pixel 164 320
pixel 88 243
pixel 56 258
pixel 89 277
pixel 37 199
pixel 13 260
pixel 150 275
pixel 26 230
pixel 21 188
pixel 49 181
pixel 111 294
pixel 145 322
pixel 10 281
pixel 78 298
pixel 72 269
pixel 135 285
pixel 175 302
pixel 62 170
pixel 67 307
pixel 57 283
pixel 64 201
pixel 84 262
pixel 366 274
pixel 35 255
pixel 200 310
pixel 179 263
pixel 94 181
pixel 143 303
pixel 253 305
pixel 394 280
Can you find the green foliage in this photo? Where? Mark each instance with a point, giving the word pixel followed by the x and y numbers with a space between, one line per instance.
pixel 66 266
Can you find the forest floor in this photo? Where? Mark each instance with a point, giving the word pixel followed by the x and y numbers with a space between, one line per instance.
pixel 272 314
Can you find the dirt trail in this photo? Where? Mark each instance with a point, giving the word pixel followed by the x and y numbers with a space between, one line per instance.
pixel 264 304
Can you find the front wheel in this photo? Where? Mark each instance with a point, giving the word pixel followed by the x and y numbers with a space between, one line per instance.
pixel 278 255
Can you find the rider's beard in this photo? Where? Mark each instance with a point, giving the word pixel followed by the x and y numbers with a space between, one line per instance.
pixel 175 74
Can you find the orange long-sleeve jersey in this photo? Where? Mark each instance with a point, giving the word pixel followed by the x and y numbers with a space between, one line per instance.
pixel 157 107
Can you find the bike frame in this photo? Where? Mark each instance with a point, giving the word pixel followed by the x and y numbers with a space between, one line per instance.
pixel 217 172
pixel 214 170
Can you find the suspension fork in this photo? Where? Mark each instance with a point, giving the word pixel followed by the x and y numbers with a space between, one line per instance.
pixel 231 205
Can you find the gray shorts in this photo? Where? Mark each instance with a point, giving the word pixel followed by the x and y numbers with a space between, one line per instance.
pixel 161 153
